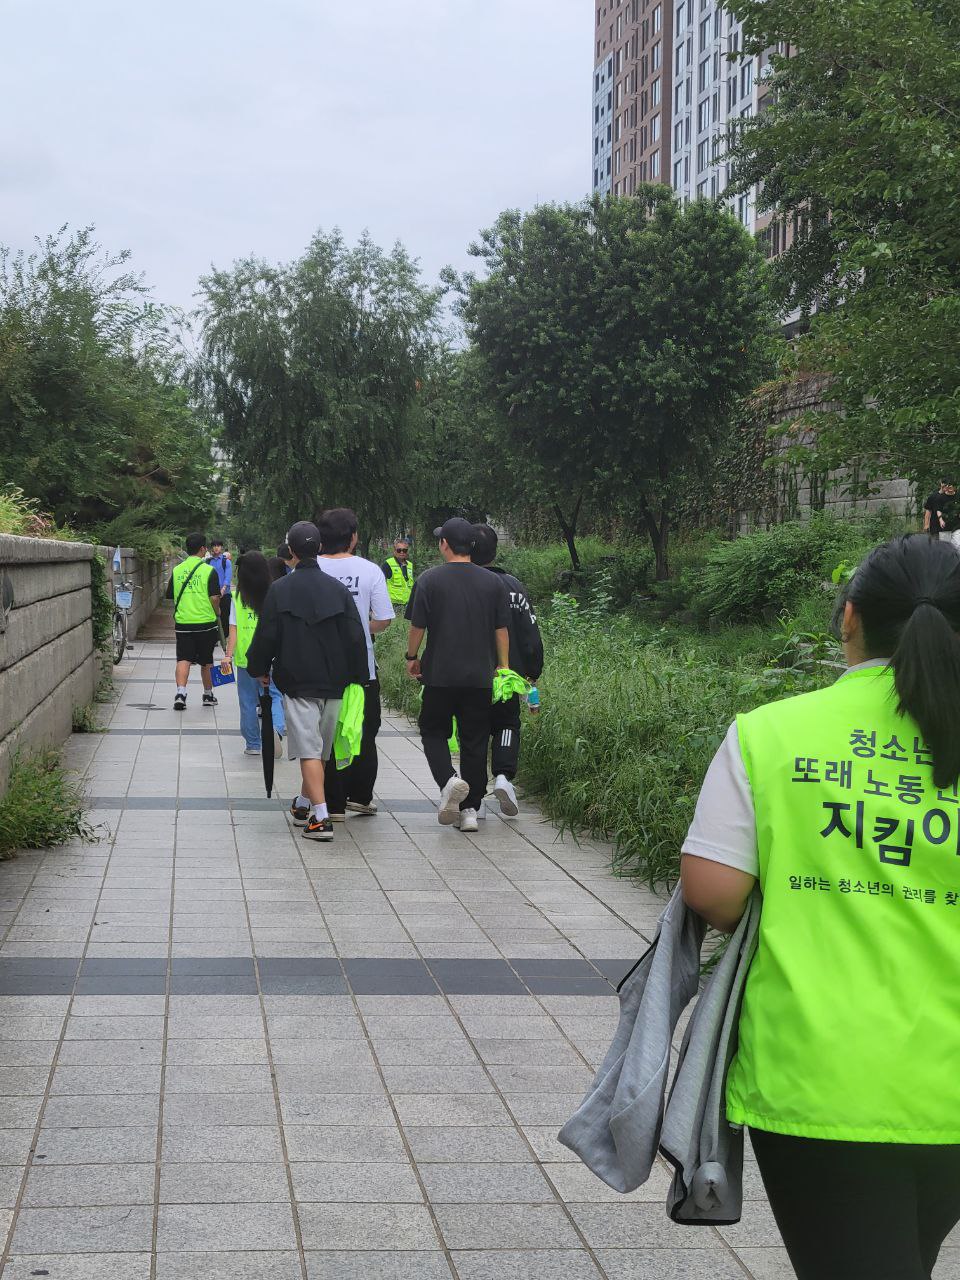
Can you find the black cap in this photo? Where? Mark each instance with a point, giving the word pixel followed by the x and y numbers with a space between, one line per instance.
pixel 457 530
pixel 485 548
pixel 304 539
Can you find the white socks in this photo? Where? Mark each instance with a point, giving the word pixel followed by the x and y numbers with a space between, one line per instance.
pixel 319 811
pixel 302 802
pixel 182 688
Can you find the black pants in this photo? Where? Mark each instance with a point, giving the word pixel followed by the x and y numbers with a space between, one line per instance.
pixel 357 781
pixel 860 1210
pixel 472 710
pixel 505 737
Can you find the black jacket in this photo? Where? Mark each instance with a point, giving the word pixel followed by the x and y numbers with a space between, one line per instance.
pixel 526 645
pixel 311 635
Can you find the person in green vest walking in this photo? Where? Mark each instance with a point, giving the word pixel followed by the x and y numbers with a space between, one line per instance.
pixel 254 580
pixel 844 804
pixel 194 588
pixel 399 573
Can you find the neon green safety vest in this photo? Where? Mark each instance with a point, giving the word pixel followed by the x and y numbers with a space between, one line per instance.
pixel 399 588
pixel 850 1028
pixel 195 603
pixel 246 625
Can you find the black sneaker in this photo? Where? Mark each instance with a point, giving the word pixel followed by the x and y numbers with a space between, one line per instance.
pixel 209 700
pixel 300 813
pixel 318 829
pixel 180 702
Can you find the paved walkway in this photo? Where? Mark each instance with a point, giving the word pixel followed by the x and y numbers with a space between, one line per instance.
pixel 227 1054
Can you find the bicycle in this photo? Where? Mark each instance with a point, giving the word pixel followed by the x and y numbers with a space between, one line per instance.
pixel 122 602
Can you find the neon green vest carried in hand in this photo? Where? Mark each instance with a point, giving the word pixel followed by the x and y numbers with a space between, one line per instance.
pixel 246 626
pixel 194 606
pixel 399 588
pixel 850 1028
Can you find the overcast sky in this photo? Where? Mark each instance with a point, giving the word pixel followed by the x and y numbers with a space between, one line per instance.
pixel 198 131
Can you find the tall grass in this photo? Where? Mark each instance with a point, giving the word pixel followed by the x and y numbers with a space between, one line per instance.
pixel 41 807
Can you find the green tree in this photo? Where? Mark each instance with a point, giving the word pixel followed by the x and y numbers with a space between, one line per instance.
pixel 859 150
pixel 96 423
pixel 616 336
pixel 314 369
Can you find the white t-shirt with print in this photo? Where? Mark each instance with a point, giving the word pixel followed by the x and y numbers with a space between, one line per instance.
pixel 366 583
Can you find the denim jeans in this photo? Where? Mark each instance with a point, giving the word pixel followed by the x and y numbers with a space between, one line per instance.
pixel 248 693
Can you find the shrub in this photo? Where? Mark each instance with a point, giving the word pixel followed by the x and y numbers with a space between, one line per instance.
pixel 771 570
pixel 41 806
pixel 22 516
pixel 544 570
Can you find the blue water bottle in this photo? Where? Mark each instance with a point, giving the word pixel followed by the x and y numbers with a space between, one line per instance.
pixel 533 700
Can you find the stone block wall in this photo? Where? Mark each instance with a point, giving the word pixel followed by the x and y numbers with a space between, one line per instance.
pixel 47 661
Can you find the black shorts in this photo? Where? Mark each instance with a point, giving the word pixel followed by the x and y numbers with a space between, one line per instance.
pixel 197 646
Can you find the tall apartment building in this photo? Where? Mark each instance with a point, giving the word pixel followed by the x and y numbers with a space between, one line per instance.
pixel 665 96
pixel 632 93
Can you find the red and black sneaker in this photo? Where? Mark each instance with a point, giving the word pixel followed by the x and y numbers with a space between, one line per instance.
pixel 318 829
pixel 300 813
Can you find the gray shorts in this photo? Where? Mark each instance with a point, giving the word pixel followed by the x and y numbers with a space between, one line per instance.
pixel 311 726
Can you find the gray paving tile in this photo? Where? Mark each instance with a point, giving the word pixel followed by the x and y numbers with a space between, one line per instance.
pixel 253 1265
pixel 335 1109
pixel 89 1184
pixel 95 1111
pixel 367 1226
pixel 79 1053
pixel 180 1109
pixel 356 1264
pixel 527 1264
pixel 449 1109
pixel 474 1144
pixel 103 1079
pixel 355 1183
pixel 487 1183
pixel 505 1226
pixel 189 1228
pixel 711 1263
pixel 376 1144
pixel 636 1226
pixel 221 1143
pixel 106 1145
pixel 79 1266
pixel 773 1264
pixel 76 1230
pixel 223 1183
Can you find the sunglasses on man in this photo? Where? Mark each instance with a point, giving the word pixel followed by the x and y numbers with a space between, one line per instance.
pixel 401 551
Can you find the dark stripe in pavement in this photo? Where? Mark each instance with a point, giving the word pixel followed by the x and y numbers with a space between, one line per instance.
pixel 306 975
pixel 227 733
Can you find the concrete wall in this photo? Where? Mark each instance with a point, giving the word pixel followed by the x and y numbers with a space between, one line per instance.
pixel 151 577
pixel 47 663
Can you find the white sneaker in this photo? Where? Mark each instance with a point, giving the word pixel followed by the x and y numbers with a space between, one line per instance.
pixel 451 797
pixel 482 811
pixel 251 751
pixel 468 820
pixel 506 796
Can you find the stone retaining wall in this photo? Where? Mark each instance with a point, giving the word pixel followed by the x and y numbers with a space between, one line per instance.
pixel 47 663
pixel 150 577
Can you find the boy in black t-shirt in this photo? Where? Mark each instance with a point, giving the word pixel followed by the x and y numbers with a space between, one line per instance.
pixel 940 511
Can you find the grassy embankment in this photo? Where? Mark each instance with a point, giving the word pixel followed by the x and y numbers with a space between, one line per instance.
pixel 642 681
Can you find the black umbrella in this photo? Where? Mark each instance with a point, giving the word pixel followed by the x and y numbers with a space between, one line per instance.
pixel 267 749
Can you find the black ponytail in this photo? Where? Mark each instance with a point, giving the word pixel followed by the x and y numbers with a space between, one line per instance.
pixel 254 580
pixel 907 594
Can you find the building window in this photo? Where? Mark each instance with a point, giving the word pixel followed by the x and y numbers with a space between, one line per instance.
pixel 703 155
pixel 609 163
pixel 714 186
pixel 679 60
pixel 596 177
pixel 703 116
pixel 746 79
pixel 702 190
pixel 705 27
pixel 678 135
pixel 656 57
pixel 732 92
pixel 747 113
pixel 655 129
pixel 681 17
pixel 718 23
pixel 657 18
pixel 677 175
pixel 655 165
pixel 703 75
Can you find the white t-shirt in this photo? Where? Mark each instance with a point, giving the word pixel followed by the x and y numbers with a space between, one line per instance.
pixel 366 583
pixel 724 827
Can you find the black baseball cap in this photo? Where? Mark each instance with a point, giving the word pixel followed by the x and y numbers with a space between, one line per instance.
pixel 457 530
pixel 485 548
pixel 304 539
